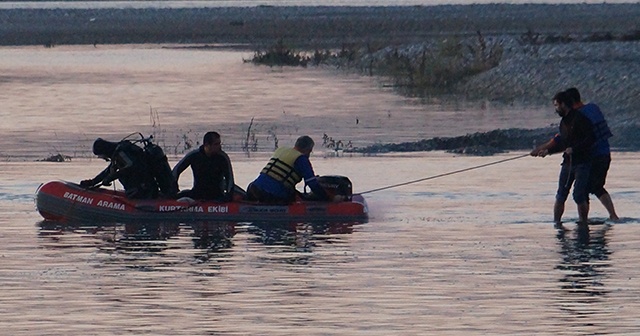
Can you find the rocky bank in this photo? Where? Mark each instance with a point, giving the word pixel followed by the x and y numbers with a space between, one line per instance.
pixel 606 72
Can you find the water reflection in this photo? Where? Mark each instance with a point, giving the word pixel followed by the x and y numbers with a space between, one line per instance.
pixel 134 242
pixel 147 237
pixel 212 239
pixel 585 264
pixel 59 234
pixel 301 236
pixel 293 243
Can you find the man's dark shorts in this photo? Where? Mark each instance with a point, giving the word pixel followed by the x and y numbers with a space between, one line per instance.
pixel 597 178
pixel 254 193
pixel 578 176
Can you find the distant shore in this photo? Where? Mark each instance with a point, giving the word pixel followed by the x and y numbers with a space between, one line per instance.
pixel 304 26
pixel 607 72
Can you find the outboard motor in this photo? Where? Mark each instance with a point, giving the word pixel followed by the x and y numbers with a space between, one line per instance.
pixel 336 185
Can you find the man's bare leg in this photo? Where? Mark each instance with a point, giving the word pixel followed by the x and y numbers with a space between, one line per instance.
pixel 583 212
pixel 558 210
pixel 605 199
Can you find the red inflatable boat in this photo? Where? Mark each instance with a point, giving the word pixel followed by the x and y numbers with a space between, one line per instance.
pixel 66 201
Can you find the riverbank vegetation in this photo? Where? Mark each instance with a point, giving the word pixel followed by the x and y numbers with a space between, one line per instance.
pixel 415 69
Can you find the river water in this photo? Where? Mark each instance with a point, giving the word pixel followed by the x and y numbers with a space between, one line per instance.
pixel 472 253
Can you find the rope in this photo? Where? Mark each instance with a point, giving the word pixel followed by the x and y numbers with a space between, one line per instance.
pixel 444 174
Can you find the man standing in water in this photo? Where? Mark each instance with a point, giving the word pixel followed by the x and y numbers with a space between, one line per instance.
pixel 288 166
pixel 212 171
pixel 575 139
pixel 600 153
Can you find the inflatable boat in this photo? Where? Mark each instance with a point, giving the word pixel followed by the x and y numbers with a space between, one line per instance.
pixel 67 201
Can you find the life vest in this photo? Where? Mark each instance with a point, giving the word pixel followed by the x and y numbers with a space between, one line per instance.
pixel 280 167
pixel 600 129
pixel 600 126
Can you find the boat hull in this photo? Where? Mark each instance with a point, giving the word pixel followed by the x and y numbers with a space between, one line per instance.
pixel 66 201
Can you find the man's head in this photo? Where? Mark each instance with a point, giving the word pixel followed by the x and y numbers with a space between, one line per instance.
pixel 304 145
pixel 103 148
pixel 212 143
pixel 563 103
pixel 574 94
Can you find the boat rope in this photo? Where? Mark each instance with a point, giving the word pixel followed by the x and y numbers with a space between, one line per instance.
pixel 444 174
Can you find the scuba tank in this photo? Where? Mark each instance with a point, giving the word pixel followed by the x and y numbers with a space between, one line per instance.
pixel 158 165
pixel 160 168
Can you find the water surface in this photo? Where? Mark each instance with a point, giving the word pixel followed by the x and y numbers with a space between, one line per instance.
pixel 468 254
pixel 472 253
pixel 60 99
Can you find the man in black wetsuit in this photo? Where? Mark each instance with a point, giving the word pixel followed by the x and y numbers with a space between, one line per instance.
pixel 128 164
pixel 212 171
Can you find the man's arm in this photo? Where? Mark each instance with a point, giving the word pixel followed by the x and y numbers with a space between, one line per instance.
pixel 228 176
pixel 96 180
pixel 303 166
pixel 119 164
pixel 548 147
pixel 182 165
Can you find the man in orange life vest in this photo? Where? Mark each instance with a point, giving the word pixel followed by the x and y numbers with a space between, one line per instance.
pixel 288 166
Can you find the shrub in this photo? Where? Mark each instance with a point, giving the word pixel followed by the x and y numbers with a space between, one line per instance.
pixel 280 55
pixel 439 68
